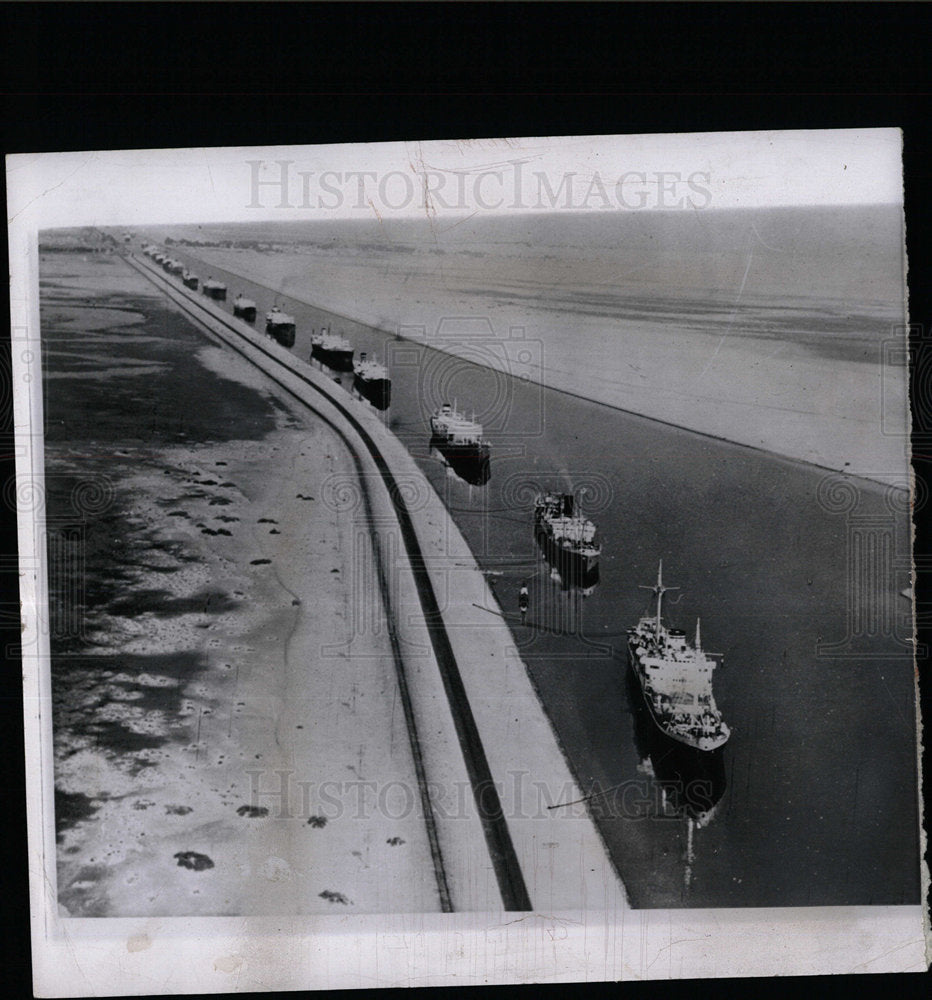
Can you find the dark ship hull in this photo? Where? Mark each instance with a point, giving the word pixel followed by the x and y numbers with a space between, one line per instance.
pixel 574 574
pixel 378 391
pixel 247 313
pixel 217 294
pixel 471 462
pixel 340 360
pixel 190 283
pixel 567 561
pixel 283 333
pixel 693 780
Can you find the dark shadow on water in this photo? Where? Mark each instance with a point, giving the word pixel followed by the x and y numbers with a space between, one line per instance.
pixel 84 686
pixel 72 808
pixel 116 737
pixel 476 470
pixel 693 781
pixel 199 405
pixel 209 601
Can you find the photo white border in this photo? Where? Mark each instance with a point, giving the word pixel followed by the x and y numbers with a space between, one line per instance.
pixel 78 957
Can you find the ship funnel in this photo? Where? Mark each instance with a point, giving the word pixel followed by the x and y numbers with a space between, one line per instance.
pixel 698 642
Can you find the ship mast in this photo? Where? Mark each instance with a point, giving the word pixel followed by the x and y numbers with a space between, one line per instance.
pixel 659 589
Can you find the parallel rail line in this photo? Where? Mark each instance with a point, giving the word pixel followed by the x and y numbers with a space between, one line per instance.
pixel 501 849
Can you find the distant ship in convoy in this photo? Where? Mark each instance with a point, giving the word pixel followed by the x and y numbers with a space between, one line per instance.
pixel 244 308
pixel 567 537
pixel 460 441
pixel 190 280
pixel 215 290
pixel 675 680
pixel 372 380
pixel 332 350
pixel 173 266
pixel 280 326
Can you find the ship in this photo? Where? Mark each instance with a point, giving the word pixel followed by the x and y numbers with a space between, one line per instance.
pixel 215 290
pixel 566 536
pixel 190 280
pixel 675 680
pixel 372 380
pixel 460 441
pixel 332 350
pixel 244 308
pixel 173 266
pixel 280 326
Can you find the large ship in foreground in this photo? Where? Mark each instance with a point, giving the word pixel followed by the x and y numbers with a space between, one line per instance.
pixel 460 441
pixel 372 380
pixel 332 350
pixel 676 680
pixel 567 537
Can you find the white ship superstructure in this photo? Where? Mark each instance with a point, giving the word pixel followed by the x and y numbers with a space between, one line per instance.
pixel 676 679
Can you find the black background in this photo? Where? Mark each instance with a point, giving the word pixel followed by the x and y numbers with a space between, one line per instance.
pixel 147 75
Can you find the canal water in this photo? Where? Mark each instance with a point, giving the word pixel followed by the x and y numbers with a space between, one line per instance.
pixel 795 572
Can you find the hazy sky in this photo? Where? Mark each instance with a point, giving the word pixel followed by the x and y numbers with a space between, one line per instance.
pixel 451 179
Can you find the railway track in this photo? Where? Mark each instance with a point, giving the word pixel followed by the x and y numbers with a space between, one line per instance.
pixel 283 369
